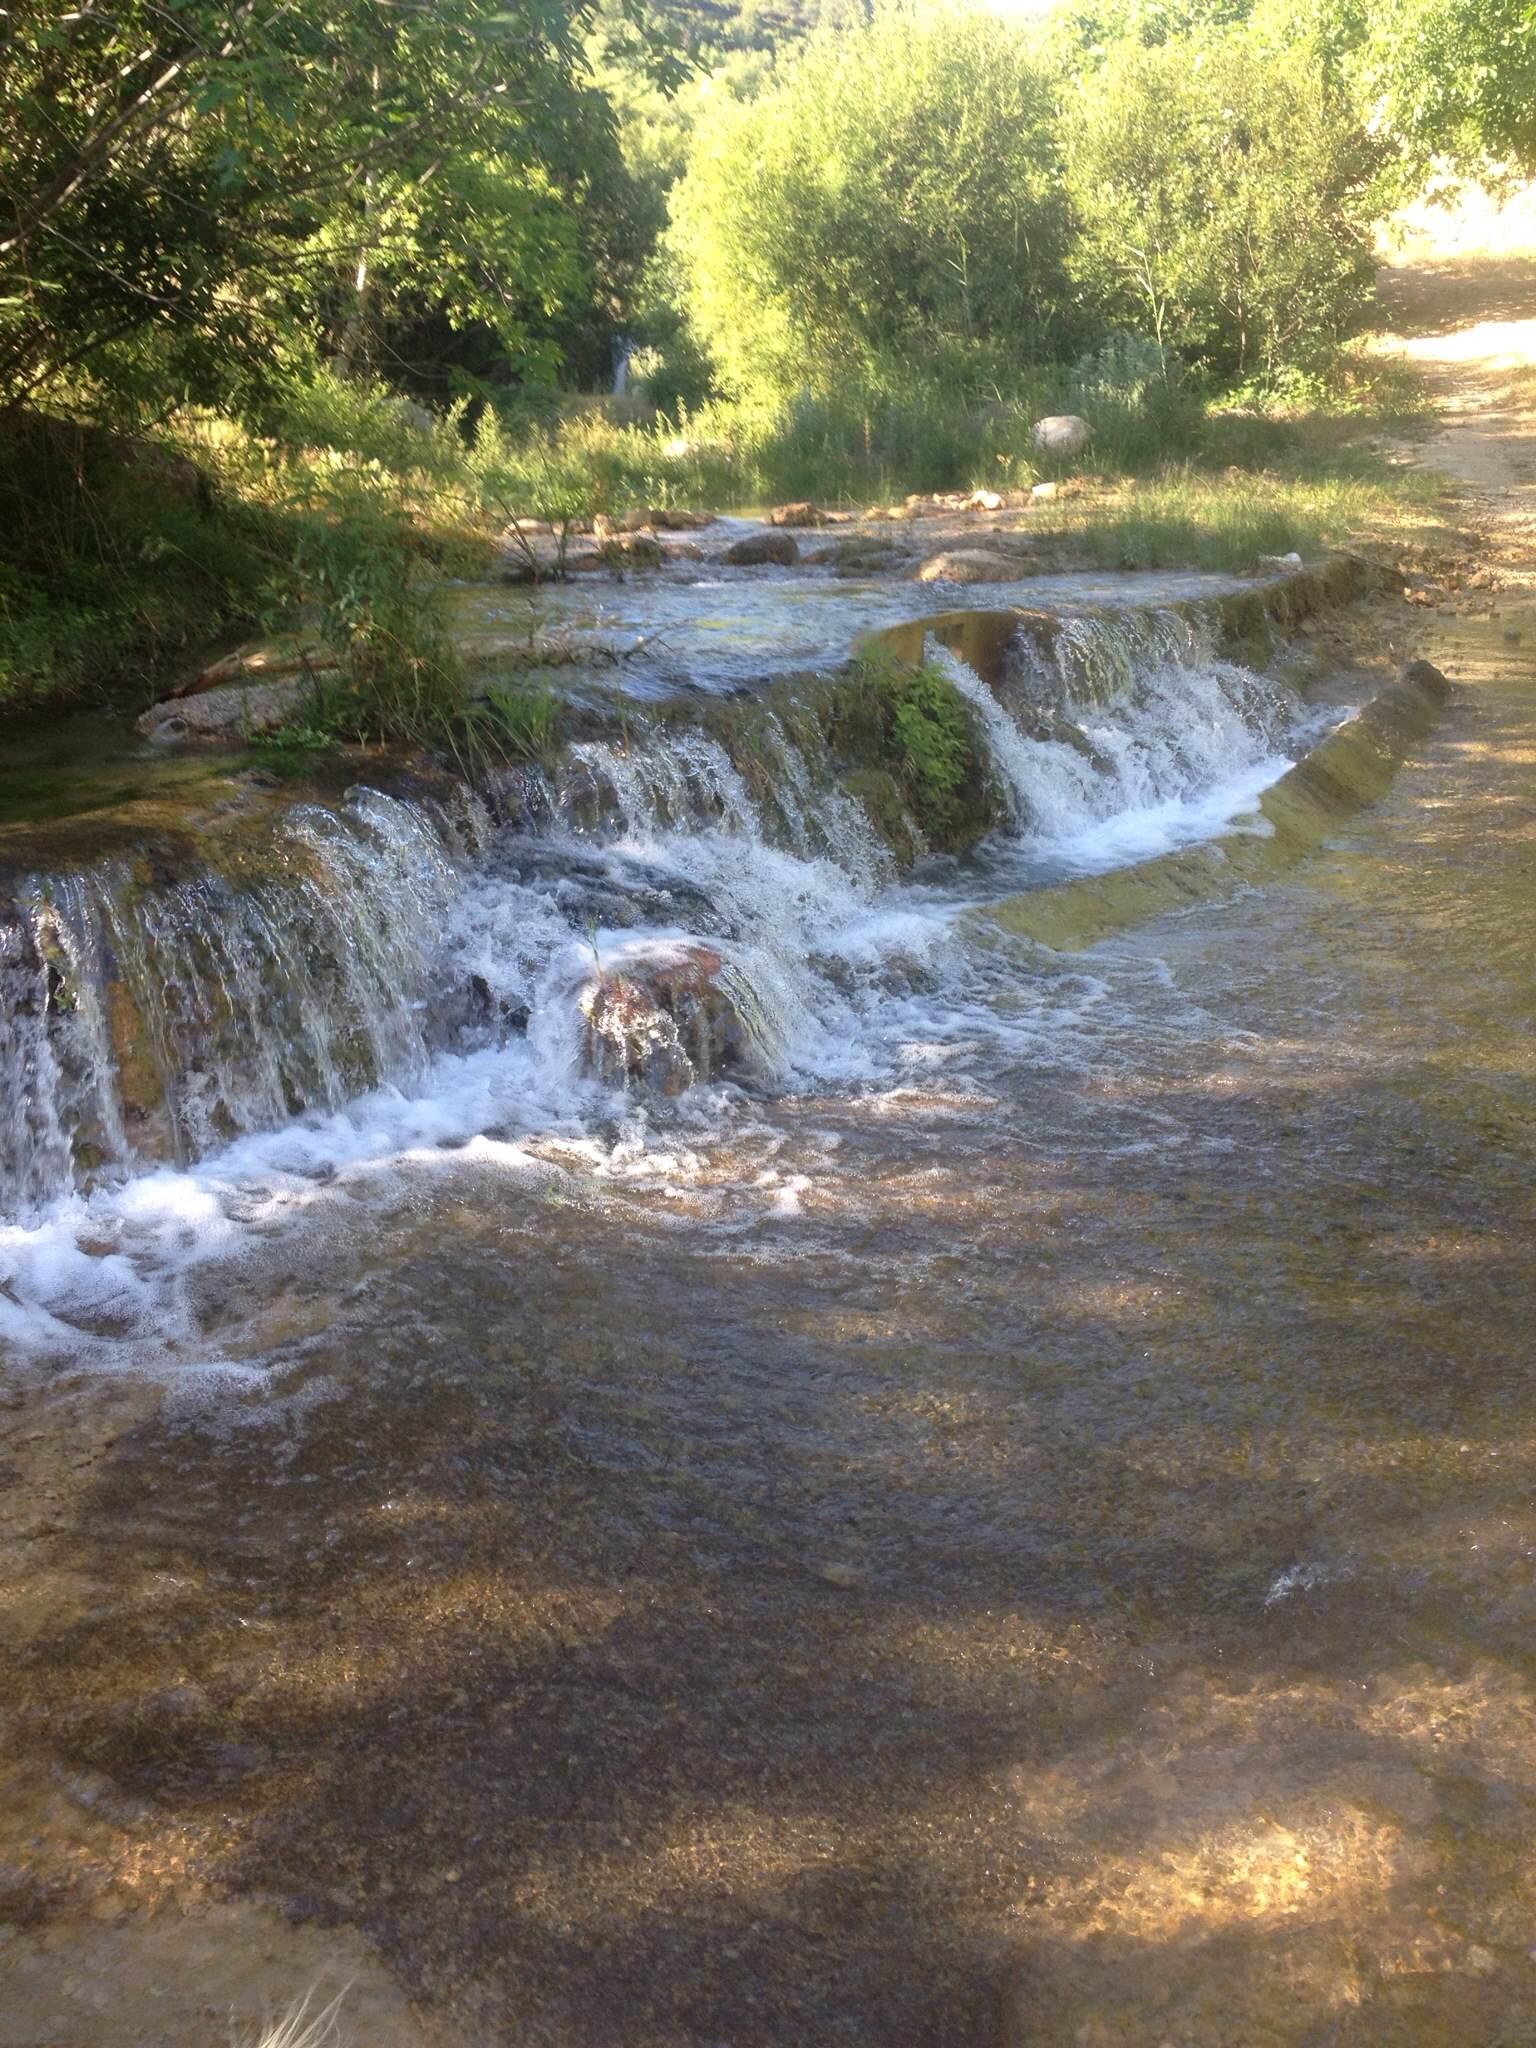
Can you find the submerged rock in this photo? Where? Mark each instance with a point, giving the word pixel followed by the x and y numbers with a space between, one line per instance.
pixel 667 1016
pixel 970 565
pixel 857 554
pixel 758 548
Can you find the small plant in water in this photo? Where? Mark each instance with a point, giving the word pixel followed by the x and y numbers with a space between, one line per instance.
pixel 924 732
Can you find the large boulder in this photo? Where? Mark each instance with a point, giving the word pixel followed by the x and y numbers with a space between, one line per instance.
pixel 666 1016
pixel 1060 433
pixel 757 548
pixel 970 565
pixel 230 715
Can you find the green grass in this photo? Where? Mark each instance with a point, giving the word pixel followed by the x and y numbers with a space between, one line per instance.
pixel 346 510
pixel 1190 518
pixel 1178 477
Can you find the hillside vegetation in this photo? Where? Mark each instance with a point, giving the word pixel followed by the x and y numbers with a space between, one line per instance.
pixel 296 302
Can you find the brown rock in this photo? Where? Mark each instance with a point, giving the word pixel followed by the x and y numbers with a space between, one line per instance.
pixel 673 519
pixel 969 565
pixel 757 548
pixel 634 551
pixel 801 513
pixel 667 1017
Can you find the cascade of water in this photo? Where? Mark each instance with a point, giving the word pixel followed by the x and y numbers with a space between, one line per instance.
pixel 1097 657
pixel 655 908
pixel 1126 715
pixel 821 819
pixel 220 1003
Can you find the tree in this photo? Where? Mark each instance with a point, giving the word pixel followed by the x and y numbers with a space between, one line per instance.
pixel 195 176
pixel 897 196
pixel 1226 193
pixel 1454 79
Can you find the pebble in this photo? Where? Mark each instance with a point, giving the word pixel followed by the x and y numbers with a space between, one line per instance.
pixel 841 1574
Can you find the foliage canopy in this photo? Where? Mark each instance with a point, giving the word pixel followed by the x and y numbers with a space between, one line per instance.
pixel 896 196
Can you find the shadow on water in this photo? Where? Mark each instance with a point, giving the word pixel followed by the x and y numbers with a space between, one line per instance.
pixel 1073 1583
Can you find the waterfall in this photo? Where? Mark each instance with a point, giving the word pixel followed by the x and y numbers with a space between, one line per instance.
pixel 1123 719
pixel 142 1022
pixel 674 907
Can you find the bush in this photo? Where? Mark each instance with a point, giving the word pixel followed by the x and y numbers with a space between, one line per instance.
pixel 115 552
pixel 896 201
pixel 1226 195
pixel 914 724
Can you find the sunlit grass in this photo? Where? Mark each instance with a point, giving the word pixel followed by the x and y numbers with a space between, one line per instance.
pixel 1191 518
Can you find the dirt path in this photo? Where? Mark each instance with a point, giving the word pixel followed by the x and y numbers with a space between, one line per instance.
pixel 1469 324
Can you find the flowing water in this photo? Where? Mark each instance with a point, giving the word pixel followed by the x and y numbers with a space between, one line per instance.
pixel 718 630
pixel 386 971
pixel 1001 1513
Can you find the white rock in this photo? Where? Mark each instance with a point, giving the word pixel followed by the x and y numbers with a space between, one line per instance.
pixel 1061 433
pixel 1044 490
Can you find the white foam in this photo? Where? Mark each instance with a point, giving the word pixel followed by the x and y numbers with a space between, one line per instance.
pixel 858 984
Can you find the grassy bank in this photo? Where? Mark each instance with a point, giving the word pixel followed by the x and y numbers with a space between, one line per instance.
pixel 344 507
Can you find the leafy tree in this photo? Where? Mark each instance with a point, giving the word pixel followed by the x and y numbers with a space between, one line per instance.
pixel 894 197
pixel 1454 78
pixel 1225 192
pixel 196 176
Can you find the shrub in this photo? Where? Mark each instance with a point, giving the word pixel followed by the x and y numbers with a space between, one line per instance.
pixel 1226 194
pixel 895 200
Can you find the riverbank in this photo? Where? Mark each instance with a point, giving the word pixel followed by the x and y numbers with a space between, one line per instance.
pixel 129 558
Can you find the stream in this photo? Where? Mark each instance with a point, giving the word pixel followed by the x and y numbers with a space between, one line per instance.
pixel 985 1499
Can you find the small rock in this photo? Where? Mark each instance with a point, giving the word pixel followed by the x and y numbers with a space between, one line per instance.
pixel 634 551
pixel 1046 490
pixel 969 565
pixel 802 513
pixel 225 716
pixel 1290 561
pixel 757 548
pixel 986 501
